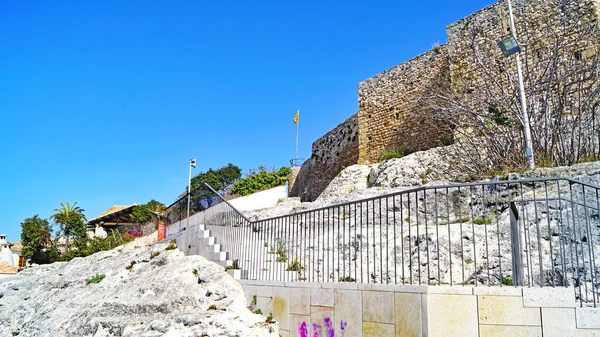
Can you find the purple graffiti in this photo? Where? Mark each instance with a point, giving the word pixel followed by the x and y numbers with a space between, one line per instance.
pixel 329 327
pixel 317 330
pixel 302 330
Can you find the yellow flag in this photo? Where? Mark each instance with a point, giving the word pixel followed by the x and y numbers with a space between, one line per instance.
pixel 297 116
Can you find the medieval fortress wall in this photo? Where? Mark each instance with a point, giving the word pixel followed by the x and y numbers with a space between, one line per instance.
pixel 390 107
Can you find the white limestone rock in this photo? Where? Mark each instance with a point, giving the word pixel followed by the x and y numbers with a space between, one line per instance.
pixel 159 296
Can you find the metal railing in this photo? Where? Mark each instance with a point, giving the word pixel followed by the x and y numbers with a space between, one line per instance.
pixel 533 233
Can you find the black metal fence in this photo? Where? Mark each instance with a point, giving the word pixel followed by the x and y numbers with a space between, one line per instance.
pixel 535 233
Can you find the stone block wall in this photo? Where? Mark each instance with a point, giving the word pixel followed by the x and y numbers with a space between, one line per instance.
pixel 390 113
pixel 369 310
pixel 392 104
pixel 330 155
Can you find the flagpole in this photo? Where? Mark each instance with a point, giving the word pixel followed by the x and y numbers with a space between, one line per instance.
pixel 297 125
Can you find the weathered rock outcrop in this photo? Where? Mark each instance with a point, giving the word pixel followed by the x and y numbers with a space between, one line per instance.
pixel 160 293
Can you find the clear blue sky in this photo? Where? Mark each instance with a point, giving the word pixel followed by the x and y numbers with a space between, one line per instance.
pixel 104 102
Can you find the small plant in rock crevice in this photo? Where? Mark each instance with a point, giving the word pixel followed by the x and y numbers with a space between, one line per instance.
pixel 130 266
pixel 295 266
pixel 253 300
pixel 154 254
pixel 258 312
pixel 270 318
pixel 212 307
pixel 195 272
pixel 172 245
pixel 95 279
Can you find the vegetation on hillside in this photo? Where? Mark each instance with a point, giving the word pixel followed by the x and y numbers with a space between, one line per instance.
pixel 149 211
pixel 72 224
pixel 36 238
pixel 202 197
pixel 261 180
pixel 41 244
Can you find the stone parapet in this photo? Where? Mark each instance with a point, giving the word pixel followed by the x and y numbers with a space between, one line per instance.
pixel 350 309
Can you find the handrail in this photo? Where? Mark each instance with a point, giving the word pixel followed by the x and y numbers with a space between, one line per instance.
pixel 437 187
pixel 228 203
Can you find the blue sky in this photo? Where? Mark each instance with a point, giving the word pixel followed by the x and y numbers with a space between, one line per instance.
pixel 104 102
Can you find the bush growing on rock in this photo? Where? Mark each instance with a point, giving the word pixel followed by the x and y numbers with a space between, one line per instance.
pixel 261 181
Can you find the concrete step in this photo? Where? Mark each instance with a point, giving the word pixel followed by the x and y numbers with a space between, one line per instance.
pixel 225 263
pixel 204 234
pixel 211 249
pixel 235 273
pixel 208 241
pixel 220 256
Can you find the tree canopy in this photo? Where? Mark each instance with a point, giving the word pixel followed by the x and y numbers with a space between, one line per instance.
pixel 36 238
pixel 218 179
pixel 71 220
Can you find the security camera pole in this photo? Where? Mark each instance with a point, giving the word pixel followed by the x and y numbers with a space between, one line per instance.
pixel 526 128
pixel 192 165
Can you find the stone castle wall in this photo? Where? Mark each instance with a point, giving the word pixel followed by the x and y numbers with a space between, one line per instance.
pixel 391 107
pixel 389 114
pixel 330 155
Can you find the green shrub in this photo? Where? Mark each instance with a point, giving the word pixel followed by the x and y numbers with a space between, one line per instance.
pixel 195 272
pixel 230 267
pixel 281 258
pixel 270 318
pixel 95 279
pixel 507 280
pixel 396 152
pixel 295 266
pixel 172 245
pixel 212 307
pixel 261 181
pixel 347 279
pixel 258 312
pixel 253 299
pixel 482 221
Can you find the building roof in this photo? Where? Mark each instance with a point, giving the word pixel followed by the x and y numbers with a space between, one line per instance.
pixel 115 214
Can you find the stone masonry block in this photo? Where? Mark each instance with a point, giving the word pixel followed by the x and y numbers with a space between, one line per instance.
pixel 348 308
pixel 265 304
pixel 371 329
pixel 264 291
pixel 507 330
pixel 318 316
pixel 408 315
pixel 558 322
pixel 296 321
pixel 507 310
pixel 378 307
pixel 452 315
pixel 558 297
pixel 300 301
pixel 588 318
pixel 281 306
pixel 322 297
pixel 250 292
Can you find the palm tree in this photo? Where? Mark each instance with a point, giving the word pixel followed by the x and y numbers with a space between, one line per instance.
pixel 71 219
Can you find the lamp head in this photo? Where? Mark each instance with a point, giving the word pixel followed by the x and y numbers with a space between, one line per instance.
pixel 509 46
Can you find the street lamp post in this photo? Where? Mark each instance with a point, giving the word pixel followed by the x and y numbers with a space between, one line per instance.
pixel 509 47
pixel 192 165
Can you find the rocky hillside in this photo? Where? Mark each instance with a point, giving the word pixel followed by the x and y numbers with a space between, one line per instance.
pixel 147 290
